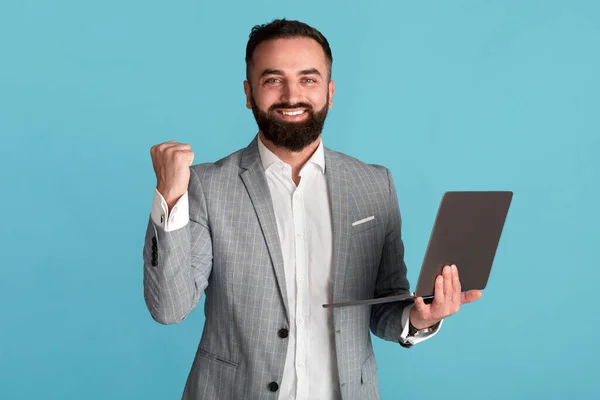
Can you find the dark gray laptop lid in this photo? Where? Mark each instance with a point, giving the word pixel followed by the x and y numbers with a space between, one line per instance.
pixel 466 232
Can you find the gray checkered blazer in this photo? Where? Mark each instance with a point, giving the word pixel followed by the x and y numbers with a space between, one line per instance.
pixel 230 251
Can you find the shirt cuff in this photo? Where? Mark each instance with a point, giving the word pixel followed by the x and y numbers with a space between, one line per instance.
pixel 419 337
pixel 177 219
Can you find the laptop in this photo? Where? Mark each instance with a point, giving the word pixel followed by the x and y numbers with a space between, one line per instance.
pixel 466 233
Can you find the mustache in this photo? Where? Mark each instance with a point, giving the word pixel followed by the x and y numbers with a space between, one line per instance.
pixel 290 106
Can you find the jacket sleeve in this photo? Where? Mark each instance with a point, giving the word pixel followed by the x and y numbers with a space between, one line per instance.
pixel 386 319
pixel 178 263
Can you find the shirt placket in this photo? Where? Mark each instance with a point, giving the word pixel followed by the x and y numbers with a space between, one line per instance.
pixel 301 293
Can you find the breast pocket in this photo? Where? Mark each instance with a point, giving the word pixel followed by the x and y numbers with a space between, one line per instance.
pixel 364 224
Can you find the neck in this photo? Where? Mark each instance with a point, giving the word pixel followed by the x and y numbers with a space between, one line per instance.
pixel 295 159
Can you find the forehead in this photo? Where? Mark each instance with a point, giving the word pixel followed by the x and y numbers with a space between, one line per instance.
pixel 289 55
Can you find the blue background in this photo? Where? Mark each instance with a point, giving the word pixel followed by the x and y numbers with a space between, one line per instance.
pixel 450 95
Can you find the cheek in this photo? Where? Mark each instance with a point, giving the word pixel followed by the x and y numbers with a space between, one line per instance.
pixel 265 98
pixel 318 99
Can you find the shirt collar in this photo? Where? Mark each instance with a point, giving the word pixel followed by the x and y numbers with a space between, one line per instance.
pixel 268 158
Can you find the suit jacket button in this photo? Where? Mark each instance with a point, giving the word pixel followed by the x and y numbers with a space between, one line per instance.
pixel 283 333
pixel 154 262
pixel 273 386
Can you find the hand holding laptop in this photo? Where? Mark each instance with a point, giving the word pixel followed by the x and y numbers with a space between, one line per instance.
pixel 466 234
pixel 447 300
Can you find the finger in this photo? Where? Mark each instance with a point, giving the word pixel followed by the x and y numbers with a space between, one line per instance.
pixel 166 145
pixel 456 285
pixel 448 291
pixel 438 292
pixel 470 296
pixel 183 156
pixel 177 147
pixel 177 153
pixel 161 146
pixel 186 155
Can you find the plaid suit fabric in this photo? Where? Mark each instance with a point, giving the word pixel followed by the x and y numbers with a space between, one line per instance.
pixel 230 251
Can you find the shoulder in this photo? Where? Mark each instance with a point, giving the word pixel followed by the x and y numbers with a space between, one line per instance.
pixel 369 185
pixel 358 168
pixel 226 166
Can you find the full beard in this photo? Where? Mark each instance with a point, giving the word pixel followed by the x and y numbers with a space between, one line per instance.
pixel 293 136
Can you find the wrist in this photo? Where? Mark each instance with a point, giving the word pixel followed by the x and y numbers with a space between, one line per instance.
pixel 170 197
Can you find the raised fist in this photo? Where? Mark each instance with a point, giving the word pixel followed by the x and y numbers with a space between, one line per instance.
pixel 171 162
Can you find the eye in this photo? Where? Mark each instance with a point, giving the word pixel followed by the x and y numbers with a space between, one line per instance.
pixel 272 80
pixel 309 80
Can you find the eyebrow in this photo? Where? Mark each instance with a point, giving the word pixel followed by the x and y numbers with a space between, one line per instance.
pixel 309 71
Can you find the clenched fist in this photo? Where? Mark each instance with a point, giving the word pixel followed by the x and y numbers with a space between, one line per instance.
pixel 171 162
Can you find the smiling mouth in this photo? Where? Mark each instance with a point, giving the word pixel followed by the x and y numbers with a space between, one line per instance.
pixel 291 113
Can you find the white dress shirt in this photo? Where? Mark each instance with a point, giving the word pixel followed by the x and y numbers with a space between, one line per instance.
pixel 303 218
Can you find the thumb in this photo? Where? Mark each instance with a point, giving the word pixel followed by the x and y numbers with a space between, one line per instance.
pixel 470 296
pixel 420 305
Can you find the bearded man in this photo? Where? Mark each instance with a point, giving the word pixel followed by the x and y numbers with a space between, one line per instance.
pixel 272 232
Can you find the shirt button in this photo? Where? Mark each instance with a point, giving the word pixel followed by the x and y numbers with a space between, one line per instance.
pixel 301 364
pixel 283 333
pixel 301 279
pixel 300 321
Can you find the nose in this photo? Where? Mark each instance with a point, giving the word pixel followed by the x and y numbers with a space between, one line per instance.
pixel 292 93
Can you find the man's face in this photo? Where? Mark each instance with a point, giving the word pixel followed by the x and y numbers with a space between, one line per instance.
pixel 289 91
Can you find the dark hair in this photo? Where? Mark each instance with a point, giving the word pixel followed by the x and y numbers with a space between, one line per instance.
pixel 282 28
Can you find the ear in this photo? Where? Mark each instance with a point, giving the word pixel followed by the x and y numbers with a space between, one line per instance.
pixel 248 94
pixel 331 89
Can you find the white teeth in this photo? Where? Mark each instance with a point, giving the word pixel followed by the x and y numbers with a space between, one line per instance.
pixel 292 112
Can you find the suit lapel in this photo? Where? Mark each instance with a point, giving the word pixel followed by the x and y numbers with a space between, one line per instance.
pixel 254 179
pixel 338 184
